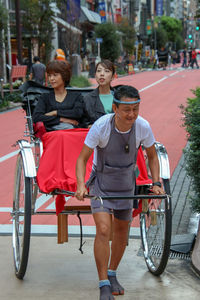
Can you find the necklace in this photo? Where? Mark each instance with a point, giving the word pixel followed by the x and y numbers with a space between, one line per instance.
pixel 126 145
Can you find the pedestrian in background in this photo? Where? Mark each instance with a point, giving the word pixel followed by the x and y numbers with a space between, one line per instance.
pixel 189 57
pixel 184 54
pixel 194 59
pixel 174 57
pixel 38 72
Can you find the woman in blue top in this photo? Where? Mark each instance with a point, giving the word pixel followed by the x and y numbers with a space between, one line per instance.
pixel 99 101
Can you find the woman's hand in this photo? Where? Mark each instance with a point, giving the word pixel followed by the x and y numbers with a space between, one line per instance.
pixel 51 113
pixel 70 121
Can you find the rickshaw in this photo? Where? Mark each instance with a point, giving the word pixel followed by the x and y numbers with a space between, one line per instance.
pixel 154 210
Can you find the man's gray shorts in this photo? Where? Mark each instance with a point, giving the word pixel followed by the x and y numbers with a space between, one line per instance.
pixel 121 214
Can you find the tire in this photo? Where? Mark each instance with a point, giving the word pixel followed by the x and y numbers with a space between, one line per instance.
pixel 21 218
pixel 156 232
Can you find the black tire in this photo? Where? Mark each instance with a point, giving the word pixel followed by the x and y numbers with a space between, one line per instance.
pixel 21 218
pixel 156 238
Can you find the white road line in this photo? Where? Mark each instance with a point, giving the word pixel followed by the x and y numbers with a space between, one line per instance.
pixel 157 82
pixel 5 209
pixel 72 230
pixel 41 200
pixel 7 156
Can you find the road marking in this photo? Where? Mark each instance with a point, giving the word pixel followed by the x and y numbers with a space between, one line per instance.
pixel 157 82
pixel 7 156
pixel 5 209
pixel 42 200
pixel 72 230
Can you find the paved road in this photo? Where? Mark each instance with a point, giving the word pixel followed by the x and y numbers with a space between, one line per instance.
pixel 57 272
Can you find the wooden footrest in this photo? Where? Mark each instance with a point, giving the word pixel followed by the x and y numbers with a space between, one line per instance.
pixel 62 221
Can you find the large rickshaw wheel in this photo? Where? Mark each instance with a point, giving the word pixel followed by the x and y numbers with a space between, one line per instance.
pixel 155 227
pixel 21 218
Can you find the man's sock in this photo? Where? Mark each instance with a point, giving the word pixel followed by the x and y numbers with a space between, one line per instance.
pixel 116 287
pixel 112 272
pixel 104 282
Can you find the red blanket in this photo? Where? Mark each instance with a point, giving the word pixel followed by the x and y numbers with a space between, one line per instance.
pixel 58 161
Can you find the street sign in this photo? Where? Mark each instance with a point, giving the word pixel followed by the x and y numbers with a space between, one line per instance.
pixel 99 40
pixel 148 27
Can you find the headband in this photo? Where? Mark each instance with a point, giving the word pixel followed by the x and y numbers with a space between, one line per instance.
pixel 124 102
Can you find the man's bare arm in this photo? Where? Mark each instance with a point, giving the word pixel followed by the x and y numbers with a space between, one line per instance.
pixel 154 168
pixel 81 163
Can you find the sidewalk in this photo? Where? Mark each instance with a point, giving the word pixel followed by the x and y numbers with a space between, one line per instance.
pixel 181 190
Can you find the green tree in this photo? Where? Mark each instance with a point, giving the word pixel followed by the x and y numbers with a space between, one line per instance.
pixel 37 23
pixel 172 26
pixel 179 42
pixel 128 36
pixel 161 37
pixel 110 48
pixel 3 17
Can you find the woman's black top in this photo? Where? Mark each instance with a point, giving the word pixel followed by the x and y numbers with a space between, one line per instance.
pixel 72 108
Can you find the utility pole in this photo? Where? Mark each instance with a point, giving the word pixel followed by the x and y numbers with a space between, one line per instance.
pixel 19 36
pixel 2 53
pixel 8 42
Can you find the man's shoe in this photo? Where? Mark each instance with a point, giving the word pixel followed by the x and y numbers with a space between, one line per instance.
pixel 105 293
pixel 116 287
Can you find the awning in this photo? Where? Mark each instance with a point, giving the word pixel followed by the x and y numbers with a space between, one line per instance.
pixel 67 25
pixel 91 16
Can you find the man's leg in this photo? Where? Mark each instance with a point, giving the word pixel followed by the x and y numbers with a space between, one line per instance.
pixel 101 243
pixel 102 252
pixel 119 242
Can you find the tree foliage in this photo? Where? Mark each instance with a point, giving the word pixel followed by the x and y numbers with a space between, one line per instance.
pixel 3 17
pixel 37 22
pixel 172 26
pixel 192 153
pixel 179 42
pixel 161 37
pixel 128 35
pixel 110 48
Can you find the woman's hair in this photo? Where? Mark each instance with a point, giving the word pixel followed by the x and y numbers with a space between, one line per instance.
pixel 62 67
pixel 106 64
